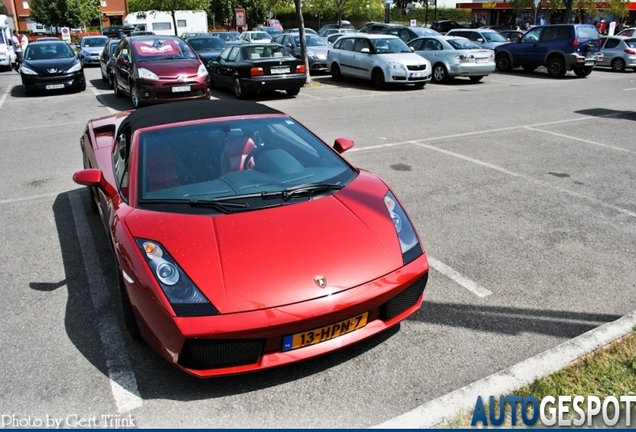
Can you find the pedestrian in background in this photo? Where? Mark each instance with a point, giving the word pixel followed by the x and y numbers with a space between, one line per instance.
pixel 24 42
pixel 542 21
pixel 17 46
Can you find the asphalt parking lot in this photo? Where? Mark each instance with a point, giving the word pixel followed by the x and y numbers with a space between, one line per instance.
pixel 522 188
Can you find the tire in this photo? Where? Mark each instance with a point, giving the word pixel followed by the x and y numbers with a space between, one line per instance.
pixel 116 90
pixel 293 92
pixel 528 68
pixel 419 85
pixel 556 67
pixel 92 199
pixel 583 72
pixel 134 96
pixel 377 77
pixel 618 65
pixel 110 80
pixel 104 77
pixel 440 75
pixel 239 90
pixel 476 78
pixel 504 63
pixel 336 75
pixel 129 316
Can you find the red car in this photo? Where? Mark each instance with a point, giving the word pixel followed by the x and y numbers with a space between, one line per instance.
pixel 155 69
pixel 243 241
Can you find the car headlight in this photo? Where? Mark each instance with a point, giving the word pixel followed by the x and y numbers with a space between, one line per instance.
pixel 312 55
pixel 202 71
pixel 146 74
pixel 395 65
pixel 27 71
pixel 184 297
pixel 76 67
pixel 409 243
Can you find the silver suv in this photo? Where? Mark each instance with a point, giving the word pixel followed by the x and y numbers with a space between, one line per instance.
pixel 381 59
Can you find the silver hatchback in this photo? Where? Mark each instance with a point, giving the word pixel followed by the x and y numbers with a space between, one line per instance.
pixel 382 59
pixel 619 53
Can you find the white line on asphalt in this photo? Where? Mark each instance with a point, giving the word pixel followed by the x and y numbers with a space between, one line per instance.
pixel 32 197
pixel 529 179
pixel 4 95
pixel 630 89
pixel 450 273
pixel 99 96
pixel 451 405
pixel 579 139
pixel 122 379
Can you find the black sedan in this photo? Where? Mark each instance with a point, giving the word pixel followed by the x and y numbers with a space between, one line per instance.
pixel 106 61
pixel 51 65
pixel 255 67
pixel 207 47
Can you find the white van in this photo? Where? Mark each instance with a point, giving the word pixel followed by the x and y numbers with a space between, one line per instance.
pixel 161 23
pixel 7 55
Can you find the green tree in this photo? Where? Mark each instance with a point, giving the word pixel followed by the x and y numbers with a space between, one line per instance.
pixel 168 6
pixel 3 9
pixel 618 9
pixel 48 12
pixel 82 12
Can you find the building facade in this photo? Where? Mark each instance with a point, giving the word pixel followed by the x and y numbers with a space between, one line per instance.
pixel 112 13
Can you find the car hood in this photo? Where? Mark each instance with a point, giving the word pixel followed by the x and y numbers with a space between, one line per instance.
pixel 50 66
pixel 93 50
pixel 271 257
pixel 171 68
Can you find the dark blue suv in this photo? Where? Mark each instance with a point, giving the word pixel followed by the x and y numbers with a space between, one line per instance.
pixel 560 48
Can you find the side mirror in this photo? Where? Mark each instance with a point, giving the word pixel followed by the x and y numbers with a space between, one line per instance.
pixel 94 177
pixel 412 49
pixel 480 40
pixel 365 50
pixel 341 145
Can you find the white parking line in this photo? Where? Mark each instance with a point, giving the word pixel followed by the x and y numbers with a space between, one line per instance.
pixel 4 96
pixel 32 197
pixel 99 95
pixel 470 285
pixel 122 379
pixel 579 139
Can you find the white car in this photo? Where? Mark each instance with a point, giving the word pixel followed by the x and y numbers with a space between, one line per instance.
pixel 381 59
pixel 254 37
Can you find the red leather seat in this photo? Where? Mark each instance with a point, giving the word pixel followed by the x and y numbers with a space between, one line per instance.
pixel 236 150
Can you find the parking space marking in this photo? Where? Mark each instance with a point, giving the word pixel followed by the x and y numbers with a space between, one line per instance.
pixel 100 99
pixel 4 95
pixel 32 197
pixel 122 379
pixel 450 273
pixel 529 179
pixel 579 139
pixel 630 89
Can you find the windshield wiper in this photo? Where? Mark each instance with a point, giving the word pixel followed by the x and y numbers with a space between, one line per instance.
pixel 223 207
pixel 302 190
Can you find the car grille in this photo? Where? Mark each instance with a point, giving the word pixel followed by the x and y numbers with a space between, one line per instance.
pixel 403 300
pixel 178 95
pixel 218 353
pixel 416 68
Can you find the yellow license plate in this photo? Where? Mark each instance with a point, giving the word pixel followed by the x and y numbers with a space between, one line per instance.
pixel 312 337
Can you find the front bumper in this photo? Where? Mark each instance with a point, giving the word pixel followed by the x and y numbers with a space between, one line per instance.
pixel 172 90
pixel 405 76
pixel 91 60
pixel 244 342
pixel 74 80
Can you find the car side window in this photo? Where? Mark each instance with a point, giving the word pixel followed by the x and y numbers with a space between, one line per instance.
pixel 348 44
pixel 611 43
pixel 234 54
pixel 532 35
pixel 549 33
pixel 361 44
pixel 417 44
pixel 564 33
pixel 120 163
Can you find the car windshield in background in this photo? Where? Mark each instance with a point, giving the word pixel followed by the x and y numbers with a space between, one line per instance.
pixel 262 36
pixel 196 163
pixel 45 51
pixel 94 42
pixel 390 46
pixel 461 43
pixel 493 37
pixel 311 40
pixel 227 36
pixel 161 49
pixel 207 43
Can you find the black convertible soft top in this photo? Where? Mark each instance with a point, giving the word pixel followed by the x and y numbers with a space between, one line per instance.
pixel 177 112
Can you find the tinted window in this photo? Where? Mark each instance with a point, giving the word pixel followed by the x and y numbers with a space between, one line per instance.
pixel 161 48
pixel 612 43
pixel 631 43
pixel 587 32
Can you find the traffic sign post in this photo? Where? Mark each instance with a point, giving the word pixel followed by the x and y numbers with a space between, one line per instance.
pixel 537 4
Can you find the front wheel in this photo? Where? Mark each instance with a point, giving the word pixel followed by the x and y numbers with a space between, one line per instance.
pixel 336 75
pixel 377 77
pixel 556 67
pixel 134 96
pixel 129 316
pixel 293 92
pixel 503 63
pixel 116 88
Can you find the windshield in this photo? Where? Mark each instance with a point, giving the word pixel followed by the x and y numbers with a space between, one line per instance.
pixel 93 42
pixel 493 37
pixel 48 51
pixel 260 36
pixel 390 46
pixel 462 43
pixel 311 40
pixel 227 36
pixel 207 44
pixel 158 48
pixel 234 161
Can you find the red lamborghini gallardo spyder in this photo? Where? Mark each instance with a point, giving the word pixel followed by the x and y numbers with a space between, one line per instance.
pixel 243 241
